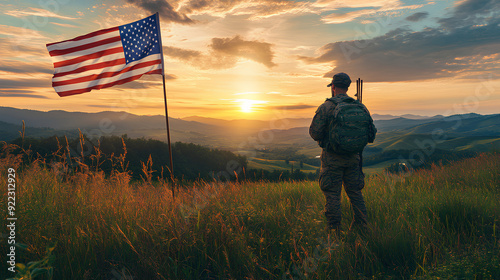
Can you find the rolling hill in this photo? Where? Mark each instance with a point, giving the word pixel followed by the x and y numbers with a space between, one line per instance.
pixel 467 132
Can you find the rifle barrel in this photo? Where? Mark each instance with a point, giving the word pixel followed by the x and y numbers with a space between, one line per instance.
pixel 361 91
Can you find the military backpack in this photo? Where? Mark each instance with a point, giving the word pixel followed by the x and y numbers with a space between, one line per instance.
pixel 350 127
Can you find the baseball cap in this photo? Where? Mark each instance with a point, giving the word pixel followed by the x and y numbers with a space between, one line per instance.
pixel 340 80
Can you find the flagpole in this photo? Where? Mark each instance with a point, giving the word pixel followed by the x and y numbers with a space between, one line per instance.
pixel 166 110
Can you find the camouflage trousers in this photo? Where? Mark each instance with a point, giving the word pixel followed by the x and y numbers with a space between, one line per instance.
pixel 335 170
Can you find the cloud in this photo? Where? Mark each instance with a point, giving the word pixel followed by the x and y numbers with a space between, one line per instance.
pixel 180 11
pixel 23 67
pixel 256 9
pixel 143 83
pixel 346 17
pixel 201 60
pixel 370 8
pixel 257 51
pixel 14 31
pixel 64 24
pixel 402 54
pixel 166 11
pixel 20 93
pixel 471 12
pixel 21 42
pixel 417 16
pixel 224 53
pixel 292 107
pixel 336 4
pixel 37 12
pixel 24 83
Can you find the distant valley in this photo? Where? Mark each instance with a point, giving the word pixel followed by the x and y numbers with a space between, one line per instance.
pixel 469 132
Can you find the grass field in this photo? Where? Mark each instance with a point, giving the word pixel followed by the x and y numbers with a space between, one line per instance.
pixel 432 224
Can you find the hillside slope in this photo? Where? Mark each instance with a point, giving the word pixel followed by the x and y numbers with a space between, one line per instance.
pixel 431 224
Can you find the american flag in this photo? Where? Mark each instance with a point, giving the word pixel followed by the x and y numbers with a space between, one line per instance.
pixel 107 57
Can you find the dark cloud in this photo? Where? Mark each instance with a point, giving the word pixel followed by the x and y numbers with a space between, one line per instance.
pixel 170 77
pixel 166 11
pixel 224 53
pixel 201 60
pixel 24 83
pixel 181 54
pixel 137 85
pixel 20 93
pixel 417 16
pixel 471 12
pixel 143 83
pixel 402 55
pixel 20 67
pixel 292 107
pixel 257 51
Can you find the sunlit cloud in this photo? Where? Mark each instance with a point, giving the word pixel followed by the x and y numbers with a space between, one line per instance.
pixel 224 53
pixel 346 17
pixel 255 9
pixel 182 11
pixel 247 93
pixel 249 105
pixel 20 32
pixel 336 4
pixel 37 12
pixel 64 24
pixel 164 8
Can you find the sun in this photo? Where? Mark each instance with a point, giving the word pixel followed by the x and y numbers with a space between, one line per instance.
pixel 246 105
pixel 250 105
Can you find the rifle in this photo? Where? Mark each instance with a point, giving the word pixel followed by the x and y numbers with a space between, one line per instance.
pixel 359 96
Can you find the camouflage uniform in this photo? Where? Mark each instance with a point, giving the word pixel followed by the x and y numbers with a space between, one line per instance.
pixel 337 169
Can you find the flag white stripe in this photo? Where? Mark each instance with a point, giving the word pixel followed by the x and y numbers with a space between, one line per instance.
pixel 72 44
pixel 114 68
pixel 87 62
pixel 85 52
pixel 92 83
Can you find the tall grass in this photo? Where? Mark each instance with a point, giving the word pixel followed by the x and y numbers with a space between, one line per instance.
pixel 433 223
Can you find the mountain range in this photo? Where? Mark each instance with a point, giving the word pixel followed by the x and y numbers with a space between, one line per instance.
pixel 473 132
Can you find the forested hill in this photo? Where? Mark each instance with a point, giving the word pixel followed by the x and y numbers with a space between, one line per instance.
pixel 139 157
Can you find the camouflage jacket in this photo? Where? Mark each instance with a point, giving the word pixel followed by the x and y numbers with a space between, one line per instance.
pixel 319 125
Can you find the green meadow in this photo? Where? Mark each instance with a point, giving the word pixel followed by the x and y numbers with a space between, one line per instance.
pixel 440 223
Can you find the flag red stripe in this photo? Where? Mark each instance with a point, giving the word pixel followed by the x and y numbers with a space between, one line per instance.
pixel 92 67
pixel 119 82
pixel 86 36
pixel 84 47
pixel 105 74
pixel 87 57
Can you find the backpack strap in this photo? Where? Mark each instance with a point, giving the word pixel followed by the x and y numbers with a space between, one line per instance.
pixel 331 99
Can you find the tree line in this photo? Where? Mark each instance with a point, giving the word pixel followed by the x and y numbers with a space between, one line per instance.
pixel 147 158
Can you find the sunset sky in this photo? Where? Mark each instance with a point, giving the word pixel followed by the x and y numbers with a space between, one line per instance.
pixel 268 58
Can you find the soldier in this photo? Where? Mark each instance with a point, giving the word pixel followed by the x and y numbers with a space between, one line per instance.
pixel 338 168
